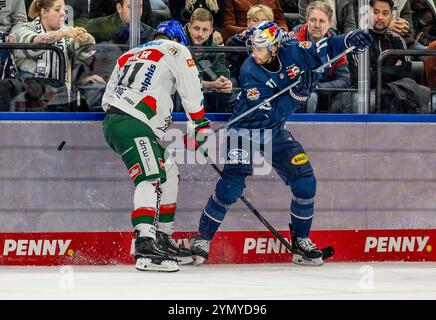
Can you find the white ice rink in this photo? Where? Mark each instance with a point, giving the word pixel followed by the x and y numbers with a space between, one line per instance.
pixel 272 281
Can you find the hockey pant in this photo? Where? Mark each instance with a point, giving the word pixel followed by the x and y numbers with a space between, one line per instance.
pixel 292 165
pixel 152 170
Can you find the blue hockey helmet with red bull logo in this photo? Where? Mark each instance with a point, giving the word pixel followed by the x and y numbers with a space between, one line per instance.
pixel 264 34
pixel 172 29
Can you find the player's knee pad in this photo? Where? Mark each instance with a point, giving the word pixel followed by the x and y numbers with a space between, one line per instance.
pixel 304 187
pixel 230 187
pixel 146 194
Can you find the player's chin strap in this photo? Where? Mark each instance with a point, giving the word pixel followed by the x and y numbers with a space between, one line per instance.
pixel 266 101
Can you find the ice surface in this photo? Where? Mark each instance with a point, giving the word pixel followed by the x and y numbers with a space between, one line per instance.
pixel 246 282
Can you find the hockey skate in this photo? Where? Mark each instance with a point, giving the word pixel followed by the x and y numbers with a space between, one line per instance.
pixel 183 255
pixel 151 256
pixel 305 252
pixel 200 250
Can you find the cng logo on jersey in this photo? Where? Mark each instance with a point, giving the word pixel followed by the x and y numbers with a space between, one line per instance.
pixel 300 159
pixel 397 244
pixel 26 247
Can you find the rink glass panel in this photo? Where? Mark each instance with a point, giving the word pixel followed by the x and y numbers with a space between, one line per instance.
pixel 371 175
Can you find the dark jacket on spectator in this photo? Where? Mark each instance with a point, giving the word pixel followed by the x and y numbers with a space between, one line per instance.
pixel 289 6
pixel 390 72
pixel 344 15
pixel 235 20
pixel 424 20
pixel 111 29
pixel 210 65
pixel 338 75
pixel 181 13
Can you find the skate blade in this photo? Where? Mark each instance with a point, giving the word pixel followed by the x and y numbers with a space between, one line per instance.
pixel 198 260
pixel 146 264
pixel 185 260
pixel 298 259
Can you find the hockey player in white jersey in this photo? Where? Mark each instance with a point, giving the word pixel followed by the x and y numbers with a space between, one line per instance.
pixel 139 106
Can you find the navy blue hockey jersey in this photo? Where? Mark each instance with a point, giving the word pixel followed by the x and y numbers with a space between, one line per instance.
pixel 259 84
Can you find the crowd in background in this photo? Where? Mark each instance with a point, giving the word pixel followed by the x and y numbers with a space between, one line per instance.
pixel 93 33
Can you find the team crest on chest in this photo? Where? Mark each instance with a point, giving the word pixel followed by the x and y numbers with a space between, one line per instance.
pixel 305 44
pixel 253 94
pixel 292 71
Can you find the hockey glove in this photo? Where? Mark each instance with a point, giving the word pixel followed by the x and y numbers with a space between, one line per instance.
pixel 308 81
pixel 358 38
pixel 197 133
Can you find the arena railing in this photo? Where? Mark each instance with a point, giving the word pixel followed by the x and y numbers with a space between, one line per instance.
pixel 396 52
pixel 33 46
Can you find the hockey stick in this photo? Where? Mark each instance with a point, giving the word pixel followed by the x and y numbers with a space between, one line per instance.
pixel 327 252
pixel 266 101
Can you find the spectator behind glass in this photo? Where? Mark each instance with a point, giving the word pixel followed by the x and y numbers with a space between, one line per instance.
pixel 401 23
pixel 424 21
pixel 115 28
pixel 396 70
pixel 182 10
pixel 235 20
pixel 255 14
pixel 12 12
pixel 319 17
pixel 46 28
pixel 342 20
pixel 212 68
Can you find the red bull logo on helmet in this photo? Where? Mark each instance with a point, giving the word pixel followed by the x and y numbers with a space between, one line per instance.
pixel 271 32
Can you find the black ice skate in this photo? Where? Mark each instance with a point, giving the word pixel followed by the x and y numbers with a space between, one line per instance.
pixel 200 250
pixel 151 256
pixel 183 255
pixel 305 252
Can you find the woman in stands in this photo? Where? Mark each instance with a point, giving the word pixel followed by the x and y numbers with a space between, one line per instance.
pixel 47 28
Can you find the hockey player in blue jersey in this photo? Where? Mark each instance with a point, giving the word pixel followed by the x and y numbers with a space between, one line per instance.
pixel 274 65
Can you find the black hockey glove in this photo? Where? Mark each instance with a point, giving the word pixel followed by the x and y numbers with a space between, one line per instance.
pixel 308 81
pixel 197 133
pixel 358 38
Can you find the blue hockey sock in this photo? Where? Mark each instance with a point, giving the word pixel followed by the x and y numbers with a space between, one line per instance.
pixel 212 217
pixel 301 218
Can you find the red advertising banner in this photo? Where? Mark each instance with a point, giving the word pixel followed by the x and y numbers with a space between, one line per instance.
pixel 228 247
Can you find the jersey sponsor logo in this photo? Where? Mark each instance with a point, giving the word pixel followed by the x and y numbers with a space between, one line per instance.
pixel 147 156
pixel 292 71
pixel 190 62
pixel 173 51
pixel 397 244
pixel 253 94
pixel 149 54
pixel 305 44
pixel 148 76
pixel 119 91
pixel 135 171
pixel 27 247
pixel 237 156
pixel 300 159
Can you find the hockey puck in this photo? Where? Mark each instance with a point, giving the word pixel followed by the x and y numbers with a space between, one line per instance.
pixel 61 145
pixel 327 252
